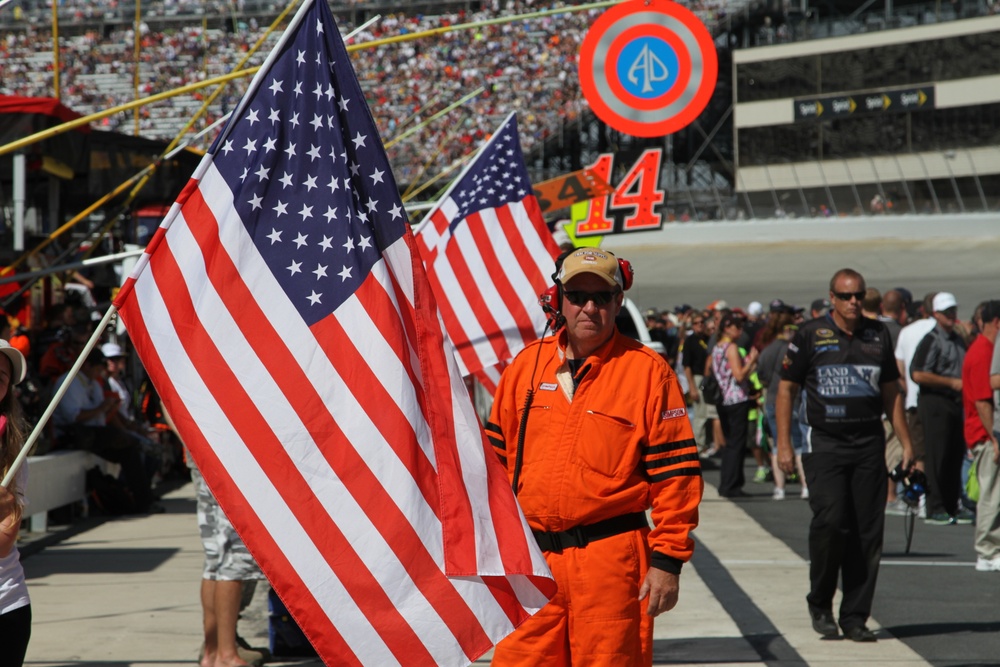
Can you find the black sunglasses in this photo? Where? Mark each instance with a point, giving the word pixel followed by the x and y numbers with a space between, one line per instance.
pixel 580 298
pixel 846 296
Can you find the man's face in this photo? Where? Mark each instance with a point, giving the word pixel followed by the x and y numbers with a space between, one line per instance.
pixel 587 322
pixel 845 299
pixel 946 318
pixel 115 364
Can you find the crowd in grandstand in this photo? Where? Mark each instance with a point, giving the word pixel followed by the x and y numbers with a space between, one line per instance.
pixel 527 66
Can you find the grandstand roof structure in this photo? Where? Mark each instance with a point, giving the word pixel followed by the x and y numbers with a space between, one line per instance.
pixel 67 172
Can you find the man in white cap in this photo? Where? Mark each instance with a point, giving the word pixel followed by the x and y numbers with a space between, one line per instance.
pixel 115 360
pixel 754 321
pixel 604 436
pixel 937 369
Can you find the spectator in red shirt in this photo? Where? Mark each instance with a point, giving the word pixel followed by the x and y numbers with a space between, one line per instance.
pixel 981 438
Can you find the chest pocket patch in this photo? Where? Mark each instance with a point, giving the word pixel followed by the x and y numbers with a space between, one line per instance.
pixel 605 445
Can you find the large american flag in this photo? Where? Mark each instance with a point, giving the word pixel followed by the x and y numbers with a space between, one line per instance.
pixel 488 255
pixel 285 318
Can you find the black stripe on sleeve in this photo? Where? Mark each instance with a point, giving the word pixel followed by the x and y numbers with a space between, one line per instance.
pixel 676 472
pixel 671 446
pixel 673 460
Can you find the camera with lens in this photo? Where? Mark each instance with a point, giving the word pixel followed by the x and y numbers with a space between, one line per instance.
pixel 914 484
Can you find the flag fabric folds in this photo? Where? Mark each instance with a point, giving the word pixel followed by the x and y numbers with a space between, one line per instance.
pixel 488 255
pixel 283 314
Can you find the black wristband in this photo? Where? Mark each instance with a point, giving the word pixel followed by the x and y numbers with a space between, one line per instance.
pixel 666 563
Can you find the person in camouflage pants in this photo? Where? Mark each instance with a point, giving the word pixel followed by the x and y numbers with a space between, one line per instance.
pixel 229 567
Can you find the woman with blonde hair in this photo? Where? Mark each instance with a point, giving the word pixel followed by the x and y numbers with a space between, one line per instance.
pixel 15 607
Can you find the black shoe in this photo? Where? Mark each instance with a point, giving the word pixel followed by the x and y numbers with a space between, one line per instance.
pixel 823 622
pixel 860 634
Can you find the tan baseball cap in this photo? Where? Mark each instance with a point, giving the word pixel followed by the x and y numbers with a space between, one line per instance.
pixel 591 260
pixel 18 367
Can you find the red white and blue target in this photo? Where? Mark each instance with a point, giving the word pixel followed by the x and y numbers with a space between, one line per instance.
pixel 648 67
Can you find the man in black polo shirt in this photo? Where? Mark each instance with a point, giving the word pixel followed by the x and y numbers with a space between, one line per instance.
pixel 845 363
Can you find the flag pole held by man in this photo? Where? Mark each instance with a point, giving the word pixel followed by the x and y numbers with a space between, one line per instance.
pixel 286 320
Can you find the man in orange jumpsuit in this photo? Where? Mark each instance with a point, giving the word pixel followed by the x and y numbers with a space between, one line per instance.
pixel 606 437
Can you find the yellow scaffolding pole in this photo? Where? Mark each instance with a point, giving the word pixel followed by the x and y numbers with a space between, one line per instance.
pixel 441 174
pixel 447 109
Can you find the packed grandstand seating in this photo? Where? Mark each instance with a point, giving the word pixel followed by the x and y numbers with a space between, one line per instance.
pixel 528 66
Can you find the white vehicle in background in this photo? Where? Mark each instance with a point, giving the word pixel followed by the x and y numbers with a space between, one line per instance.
pixel 631 323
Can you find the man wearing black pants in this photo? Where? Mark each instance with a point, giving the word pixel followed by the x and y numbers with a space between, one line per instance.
pixel 937 368
pixel 845 363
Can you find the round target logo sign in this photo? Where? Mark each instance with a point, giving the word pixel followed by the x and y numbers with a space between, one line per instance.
pixel 648 67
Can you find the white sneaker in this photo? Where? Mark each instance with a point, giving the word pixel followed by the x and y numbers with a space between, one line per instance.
pixel 805 493
pixel 988 564
pixel 779 494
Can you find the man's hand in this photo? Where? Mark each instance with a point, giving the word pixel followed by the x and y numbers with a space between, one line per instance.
pixel 662 588
pixel 693 394
pixel 786 456
pixel 996 449
pixel 908 458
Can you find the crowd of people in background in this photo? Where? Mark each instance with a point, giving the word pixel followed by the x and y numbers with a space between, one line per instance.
pixel 107 407
pixel 526 66
pixel 948 398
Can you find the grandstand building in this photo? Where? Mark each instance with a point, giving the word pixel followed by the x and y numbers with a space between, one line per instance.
pixel 823 107
pixel 894 121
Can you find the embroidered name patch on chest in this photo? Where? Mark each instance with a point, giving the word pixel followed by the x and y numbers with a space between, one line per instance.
pixel 672 414
pixel 548 386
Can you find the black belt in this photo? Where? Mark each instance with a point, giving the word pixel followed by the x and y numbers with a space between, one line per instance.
pixel 581 536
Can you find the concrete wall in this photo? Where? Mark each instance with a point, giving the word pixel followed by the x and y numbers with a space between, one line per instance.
pixel 840 230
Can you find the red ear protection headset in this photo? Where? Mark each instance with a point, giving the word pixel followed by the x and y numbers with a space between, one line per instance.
pixel 627 273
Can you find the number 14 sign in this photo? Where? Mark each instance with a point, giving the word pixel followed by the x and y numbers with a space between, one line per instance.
pixel 635 205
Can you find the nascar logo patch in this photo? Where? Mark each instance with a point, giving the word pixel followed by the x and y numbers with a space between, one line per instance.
pixel 672 414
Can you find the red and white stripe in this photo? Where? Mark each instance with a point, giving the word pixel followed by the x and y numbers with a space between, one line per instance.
pixel 486 277
pixel 347 454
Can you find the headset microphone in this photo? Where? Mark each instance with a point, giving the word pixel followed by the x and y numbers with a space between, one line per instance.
pixel 549 301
